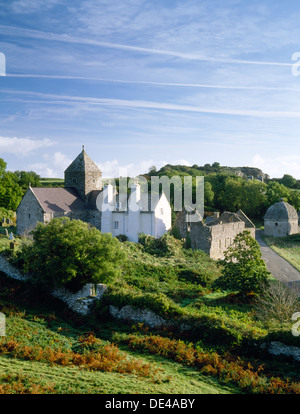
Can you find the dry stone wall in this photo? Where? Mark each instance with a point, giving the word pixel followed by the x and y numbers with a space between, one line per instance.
pixel 137 315
pixel 80 301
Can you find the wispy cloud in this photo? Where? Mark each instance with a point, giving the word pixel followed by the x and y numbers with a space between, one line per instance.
pixel 43 98
pixel 36 34
pixel 170 84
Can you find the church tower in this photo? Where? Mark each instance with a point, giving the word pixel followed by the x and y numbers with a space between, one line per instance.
pixel 84 175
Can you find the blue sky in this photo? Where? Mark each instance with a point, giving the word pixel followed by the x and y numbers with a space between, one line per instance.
pixel 150 82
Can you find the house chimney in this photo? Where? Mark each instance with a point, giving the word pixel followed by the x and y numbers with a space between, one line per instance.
pixel 108 191
pixel 135 192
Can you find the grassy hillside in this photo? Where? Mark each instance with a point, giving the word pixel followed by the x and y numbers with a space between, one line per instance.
pixel 54 351
pixel 216 352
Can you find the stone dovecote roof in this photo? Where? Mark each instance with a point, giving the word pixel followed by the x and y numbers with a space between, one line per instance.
pixel 281 211
pixel 58 199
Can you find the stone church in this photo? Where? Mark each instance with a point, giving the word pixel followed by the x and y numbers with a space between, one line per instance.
pixel 82 198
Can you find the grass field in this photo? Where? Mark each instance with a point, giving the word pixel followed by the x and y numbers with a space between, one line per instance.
pixel 287 247
pixel 39 377
pixel 52 182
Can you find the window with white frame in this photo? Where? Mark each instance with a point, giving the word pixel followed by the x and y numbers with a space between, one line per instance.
pixel 116 225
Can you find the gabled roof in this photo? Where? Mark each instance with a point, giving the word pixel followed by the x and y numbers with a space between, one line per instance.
pixel 58 199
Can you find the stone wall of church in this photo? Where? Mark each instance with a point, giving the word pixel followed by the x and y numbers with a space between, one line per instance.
pixel 29 212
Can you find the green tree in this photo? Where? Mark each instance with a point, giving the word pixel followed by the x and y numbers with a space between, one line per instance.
pixel 253 198
pixel 208 194
pixel 294 199
pixel 2 167
pixel 10 192
pixel 276 191
pixel 231 197
pixel 288 181
pixel 27 177
pixel 71 253
pixel 243 269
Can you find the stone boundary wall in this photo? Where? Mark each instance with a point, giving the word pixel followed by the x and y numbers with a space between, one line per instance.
pixel 10 270
pixel 81 300
pixel 137 315
pixel 278 348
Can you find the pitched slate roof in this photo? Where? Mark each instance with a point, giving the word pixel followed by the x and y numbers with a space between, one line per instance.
pixel 281 211
pixel 58 199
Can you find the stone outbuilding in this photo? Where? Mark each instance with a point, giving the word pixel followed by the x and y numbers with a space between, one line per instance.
pixel 281 220
pixel 217 233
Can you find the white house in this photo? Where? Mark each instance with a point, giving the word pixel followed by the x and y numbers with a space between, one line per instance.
pixel 133 215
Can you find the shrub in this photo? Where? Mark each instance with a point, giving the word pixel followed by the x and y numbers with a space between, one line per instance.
pixel 164 246
pixel 122 237
pixel 156 302
pixel 71 253
pixel 277 302
pixel 243 269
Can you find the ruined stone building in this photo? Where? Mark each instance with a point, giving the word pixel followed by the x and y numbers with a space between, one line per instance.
pixel 217 233
pixel 281 220
pixel 83 198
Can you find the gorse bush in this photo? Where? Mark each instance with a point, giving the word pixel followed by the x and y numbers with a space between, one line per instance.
pixel 163 246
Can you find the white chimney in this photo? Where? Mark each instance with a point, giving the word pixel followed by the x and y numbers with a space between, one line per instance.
pixel 135 193
pixel 108 191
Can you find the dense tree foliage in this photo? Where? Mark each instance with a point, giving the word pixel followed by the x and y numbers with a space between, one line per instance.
pixel 71 253
pixel 13 186
pixel 230 189
pixel 26 178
